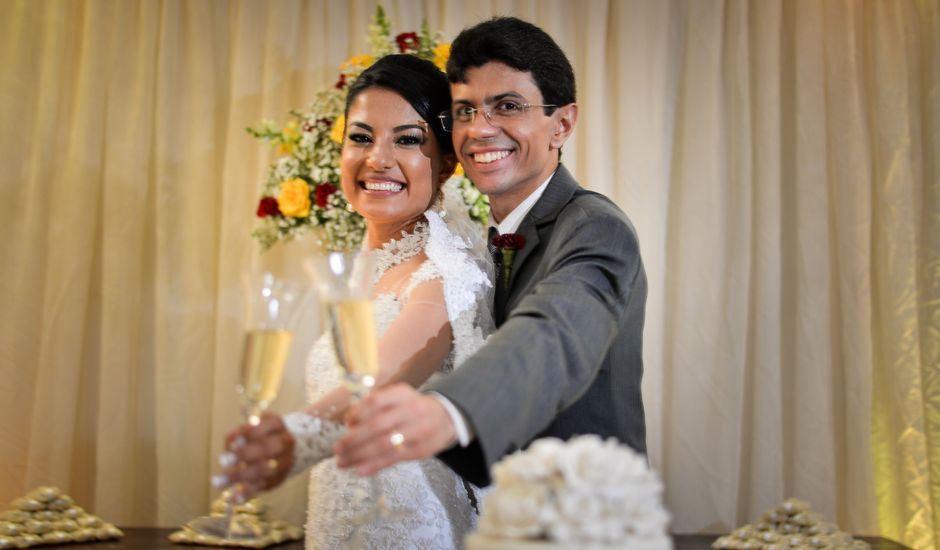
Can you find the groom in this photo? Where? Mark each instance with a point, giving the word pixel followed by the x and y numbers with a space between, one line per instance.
pixel 567 356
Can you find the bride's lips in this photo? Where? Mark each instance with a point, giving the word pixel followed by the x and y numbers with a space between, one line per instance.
pixel 381 185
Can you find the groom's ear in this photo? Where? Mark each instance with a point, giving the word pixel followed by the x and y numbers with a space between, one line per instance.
pixel 565 118
pixel 448 165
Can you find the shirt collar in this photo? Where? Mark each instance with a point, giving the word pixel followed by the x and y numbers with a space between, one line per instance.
pixel 512 222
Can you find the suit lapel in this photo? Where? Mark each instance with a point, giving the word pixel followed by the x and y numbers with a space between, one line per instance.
pixel 556 195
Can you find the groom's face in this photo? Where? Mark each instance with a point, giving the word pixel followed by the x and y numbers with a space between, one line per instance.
pixel 507 157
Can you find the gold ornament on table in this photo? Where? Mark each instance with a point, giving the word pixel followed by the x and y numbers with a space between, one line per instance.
pixel 301 194
pixel 250 517
pixel 48 516
pixel 792 524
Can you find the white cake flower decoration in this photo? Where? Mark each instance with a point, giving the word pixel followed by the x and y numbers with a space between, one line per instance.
pixel 586 490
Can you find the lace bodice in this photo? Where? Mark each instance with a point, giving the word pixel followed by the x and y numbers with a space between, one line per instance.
pixel 431 502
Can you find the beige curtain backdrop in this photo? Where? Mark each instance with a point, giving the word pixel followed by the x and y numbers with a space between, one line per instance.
pixel 777 157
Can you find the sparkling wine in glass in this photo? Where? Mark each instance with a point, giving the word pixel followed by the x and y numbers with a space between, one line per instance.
pixel 263 360
pixel 352 326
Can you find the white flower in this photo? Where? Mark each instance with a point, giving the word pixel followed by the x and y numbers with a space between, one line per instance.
pixel 581 491
pixel 536 463
pixel 514 511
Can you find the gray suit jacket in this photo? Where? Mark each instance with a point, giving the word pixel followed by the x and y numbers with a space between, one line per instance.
pixel 567 357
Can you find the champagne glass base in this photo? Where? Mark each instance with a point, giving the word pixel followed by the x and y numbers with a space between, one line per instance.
pixel 219 527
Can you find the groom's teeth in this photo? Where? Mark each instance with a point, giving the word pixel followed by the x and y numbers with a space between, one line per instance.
pixel 383 186
pixel 490 156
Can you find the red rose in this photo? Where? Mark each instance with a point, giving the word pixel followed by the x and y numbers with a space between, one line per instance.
pixel 407 41
pixel 341 83
pixel 509 241
pixel 267 206
pixel 324 191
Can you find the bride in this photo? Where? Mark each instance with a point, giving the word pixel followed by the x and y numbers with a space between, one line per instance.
pixel 431 312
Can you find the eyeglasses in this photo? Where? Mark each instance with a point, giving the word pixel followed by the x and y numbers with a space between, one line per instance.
pixel 500 114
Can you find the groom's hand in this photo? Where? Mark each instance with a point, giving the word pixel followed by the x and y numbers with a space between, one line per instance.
pixel 393 424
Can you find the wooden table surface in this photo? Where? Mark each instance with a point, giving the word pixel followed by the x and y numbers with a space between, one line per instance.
pixel 146 538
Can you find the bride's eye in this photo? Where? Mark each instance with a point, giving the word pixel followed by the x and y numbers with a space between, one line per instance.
pixel 359 137
pixel 410 139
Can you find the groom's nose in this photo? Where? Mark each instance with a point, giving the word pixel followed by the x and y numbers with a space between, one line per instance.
pixel 480 127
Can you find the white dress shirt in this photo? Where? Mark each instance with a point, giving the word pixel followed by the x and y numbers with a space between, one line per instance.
pixel 509 225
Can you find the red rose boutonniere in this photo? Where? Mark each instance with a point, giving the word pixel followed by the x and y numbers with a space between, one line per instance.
pixel 508 244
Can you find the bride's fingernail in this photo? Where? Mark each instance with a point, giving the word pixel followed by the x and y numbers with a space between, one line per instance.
pixel 238 443
pixel 220 480
pixel 227 460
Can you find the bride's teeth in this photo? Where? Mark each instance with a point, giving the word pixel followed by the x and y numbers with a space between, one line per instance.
pixel 384 186
pixel 491 156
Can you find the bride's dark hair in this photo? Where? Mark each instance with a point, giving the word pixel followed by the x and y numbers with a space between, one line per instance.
pixel 418 81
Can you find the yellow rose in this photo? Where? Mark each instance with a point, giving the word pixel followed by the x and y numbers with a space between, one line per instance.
pixel 360 61
pixel 441 54
pixel 291 131
pixel 294 199
pixel 285 149
pixel 339 125
pixel 458 170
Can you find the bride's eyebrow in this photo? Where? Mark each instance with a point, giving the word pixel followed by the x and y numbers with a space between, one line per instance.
pixel 404 127
pixel 362 125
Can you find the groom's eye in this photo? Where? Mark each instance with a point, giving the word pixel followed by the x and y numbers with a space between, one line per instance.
pixel 464 112
pixel 507 107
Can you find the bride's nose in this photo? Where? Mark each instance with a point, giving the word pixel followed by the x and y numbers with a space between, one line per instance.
pixel 381 157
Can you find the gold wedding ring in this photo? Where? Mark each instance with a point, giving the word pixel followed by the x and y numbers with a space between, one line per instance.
pixel 397 439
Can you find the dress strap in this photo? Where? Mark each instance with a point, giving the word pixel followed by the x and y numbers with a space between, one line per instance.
pixel 427 272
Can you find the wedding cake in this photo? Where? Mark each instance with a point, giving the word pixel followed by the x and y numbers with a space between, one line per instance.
pixel 584 493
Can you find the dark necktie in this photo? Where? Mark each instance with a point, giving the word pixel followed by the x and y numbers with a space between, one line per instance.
pixel 499 298
pixel 495 251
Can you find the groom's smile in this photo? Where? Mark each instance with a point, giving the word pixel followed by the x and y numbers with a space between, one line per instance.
pixel 490 156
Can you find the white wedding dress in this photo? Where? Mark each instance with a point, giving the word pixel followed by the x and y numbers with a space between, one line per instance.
pixel 431 506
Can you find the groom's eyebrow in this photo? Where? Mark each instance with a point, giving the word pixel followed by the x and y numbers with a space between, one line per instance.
pixel 491 99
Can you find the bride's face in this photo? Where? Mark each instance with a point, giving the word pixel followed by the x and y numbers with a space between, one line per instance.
pixel 391 164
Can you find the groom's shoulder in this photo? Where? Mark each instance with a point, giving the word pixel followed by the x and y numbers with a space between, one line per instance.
pixel 591 207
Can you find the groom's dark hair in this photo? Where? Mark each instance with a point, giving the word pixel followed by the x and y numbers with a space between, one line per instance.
pixel 517 44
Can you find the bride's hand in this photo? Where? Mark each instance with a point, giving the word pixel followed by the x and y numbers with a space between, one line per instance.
pixel 393 424
pixel 257 457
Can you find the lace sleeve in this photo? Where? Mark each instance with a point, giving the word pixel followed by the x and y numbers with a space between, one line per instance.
pixel 313 439
pixel 456 247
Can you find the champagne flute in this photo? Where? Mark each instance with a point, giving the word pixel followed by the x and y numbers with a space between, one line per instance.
pixel 267 343
pixel 344 284
pixel 272 308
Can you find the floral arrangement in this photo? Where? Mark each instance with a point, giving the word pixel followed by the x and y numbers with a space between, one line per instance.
pixel 586 490
pixel 302 190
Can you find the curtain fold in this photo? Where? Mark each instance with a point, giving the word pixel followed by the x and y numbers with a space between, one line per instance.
pixel 778 159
